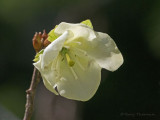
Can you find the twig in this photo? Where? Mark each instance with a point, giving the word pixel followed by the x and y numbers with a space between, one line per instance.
pixel 30 94
pixel 38 44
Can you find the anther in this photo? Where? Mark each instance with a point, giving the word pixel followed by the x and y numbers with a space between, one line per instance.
pixel 70 62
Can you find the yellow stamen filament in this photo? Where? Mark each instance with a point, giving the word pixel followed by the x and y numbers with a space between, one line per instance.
pixel 70 62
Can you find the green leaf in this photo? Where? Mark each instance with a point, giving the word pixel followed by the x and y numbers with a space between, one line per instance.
pixel 88 23
pixel 51 35
pixel 36 58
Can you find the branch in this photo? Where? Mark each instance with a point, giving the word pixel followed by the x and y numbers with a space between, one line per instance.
pixel 30 94
pixel 38 44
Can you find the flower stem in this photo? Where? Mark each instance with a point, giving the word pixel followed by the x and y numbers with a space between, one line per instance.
pixel 30 94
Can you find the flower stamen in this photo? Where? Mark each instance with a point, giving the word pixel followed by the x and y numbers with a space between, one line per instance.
pixel 80 65
pixel 74 73
pixel 80 50
pixel 69 61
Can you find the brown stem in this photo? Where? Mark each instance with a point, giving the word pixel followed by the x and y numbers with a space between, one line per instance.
pixel 30 94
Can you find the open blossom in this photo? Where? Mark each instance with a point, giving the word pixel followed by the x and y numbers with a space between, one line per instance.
pixel 71 65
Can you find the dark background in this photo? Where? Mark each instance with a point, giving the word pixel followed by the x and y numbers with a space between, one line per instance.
pixel 129 92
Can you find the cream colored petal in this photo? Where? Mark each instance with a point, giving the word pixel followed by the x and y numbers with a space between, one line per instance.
pixel 81 81
pixel 48 75
pixel 103 49
pixel 49 86
pixel 53 49
pixel 78 31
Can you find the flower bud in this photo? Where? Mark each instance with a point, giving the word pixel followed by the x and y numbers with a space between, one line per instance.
pixel 46 43
pixel 37 44
pixel 44 39
pixel 44 35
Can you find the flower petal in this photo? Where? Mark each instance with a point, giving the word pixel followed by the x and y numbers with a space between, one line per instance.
pixel 52 50
pixel 104 50
pixel 78 30
pixel 49 86
pixel 81 81
pixel 48 75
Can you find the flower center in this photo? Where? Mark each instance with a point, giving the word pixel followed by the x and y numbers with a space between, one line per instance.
pixel 64 52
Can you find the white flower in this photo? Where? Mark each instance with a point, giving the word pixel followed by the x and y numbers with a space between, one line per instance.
pixel 71 65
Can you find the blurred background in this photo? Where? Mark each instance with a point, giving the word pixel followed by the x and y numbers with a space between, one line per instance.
pixel 131 92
